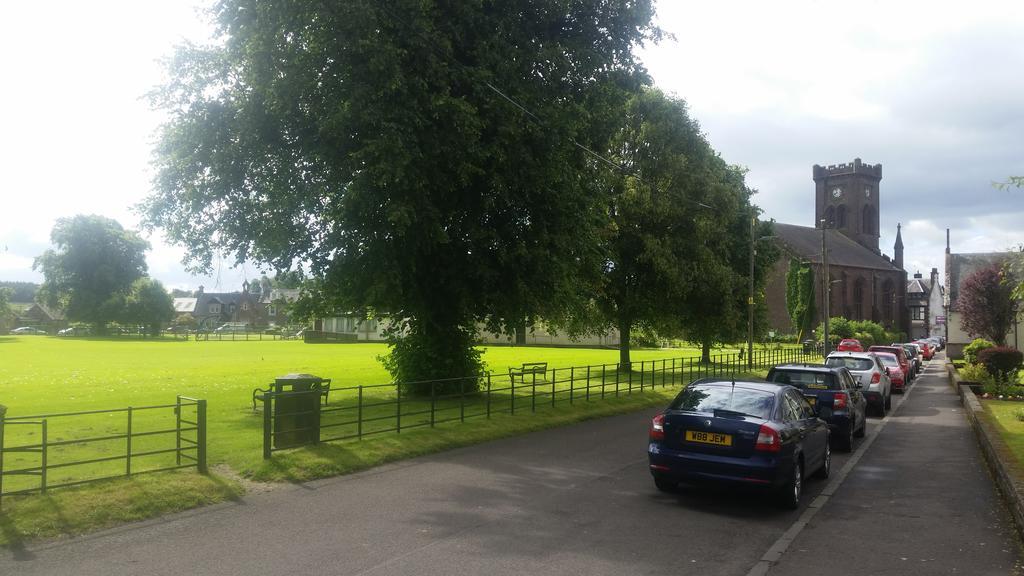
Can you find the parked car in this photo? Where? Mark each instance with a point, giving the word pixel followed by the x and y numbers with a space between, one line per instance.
pixel 232 328
pixel 927 350
pixel 849 345
pixel 917 361
pixel 895 371
pixel 835 395
pixel 869 371
pixel 901 356
pixel 74 331
pixel 28 330
pixel 746 433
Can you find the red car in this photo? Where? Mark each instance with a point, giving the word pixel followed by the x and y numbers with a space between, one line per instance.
pixel 926 350
pixel 849 345
pixel 891 362
pixel 899 353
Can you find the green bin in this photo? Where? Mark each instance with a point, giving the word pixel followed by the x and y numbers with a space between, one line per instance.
pixel 296 410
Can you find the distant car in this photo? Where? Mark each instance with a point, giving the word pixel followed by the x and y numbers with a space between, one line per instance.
pixel 927 350
pixel 868 369
pixel 740 433
pixel 849 345
pixel 232 328
pixel 916 358
pixel 895 371
pixel 901 356
pixel 28 330
pixel 835 395
pixel 74 331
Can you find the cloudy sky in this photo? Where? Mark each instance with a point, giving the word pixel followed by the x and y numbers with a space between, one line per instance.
pixel 931 90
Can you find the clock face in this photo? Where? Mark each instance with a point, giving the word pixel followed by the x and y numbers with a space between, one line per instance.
pixel 836 192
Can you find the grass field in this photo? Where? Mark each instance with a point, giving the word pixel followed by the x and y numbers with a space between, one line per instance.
pixel 46 375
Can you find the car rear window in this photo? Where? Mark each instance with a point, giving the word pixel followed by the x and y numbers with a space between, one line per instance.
pixel 698 398
pixel 803 379
pixel 854 364
pixel 889 360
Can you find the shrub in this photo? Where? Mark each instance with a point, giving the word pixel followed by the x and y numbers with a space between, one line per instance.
pixel 865 339
pixel 1019 414
pixel 875 329
pixel 1001 361
pixel 974 373
pixel 972 349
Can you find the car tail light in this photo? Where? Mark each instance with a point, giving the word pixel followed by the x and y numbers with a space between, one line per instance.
pixel 768 440
pixel 839 401
pixel 658 428
pixel 876 377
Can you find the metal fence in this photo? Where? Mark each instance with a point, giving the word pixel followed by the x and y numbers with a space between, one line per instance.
pixel 38 453
pixel 293 419
pixel 242 336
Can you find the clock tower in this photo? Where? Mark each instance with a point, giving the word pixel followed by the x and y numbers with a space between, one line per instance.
pixel 846 199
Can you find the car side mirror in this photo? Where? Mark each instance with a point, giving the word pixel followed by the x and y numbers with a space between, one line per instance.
pixel 887 373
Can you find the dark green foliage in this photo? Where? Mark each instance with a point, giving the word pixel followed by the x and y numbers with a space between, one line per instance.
pixel 363 139
pixel 976 346
pixel 149 305
pixel 1000 360
pixel 21 291
pixel 91 272
pixel 421 351
pixel 986 304
pixel 800 296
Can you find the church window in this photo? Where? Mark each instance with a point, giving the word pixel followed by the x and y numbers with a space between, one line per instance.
pixel 858 299
pixel 841 216
pixel 868 223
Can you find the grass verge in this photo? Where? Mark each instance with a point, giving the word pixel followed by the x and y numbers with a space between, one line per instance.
pixel 83 509
pixel 1006 417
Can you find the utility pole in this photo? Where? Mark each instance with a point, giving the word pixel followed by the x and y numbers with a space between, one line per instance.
pixel 750 298
pixel 826 283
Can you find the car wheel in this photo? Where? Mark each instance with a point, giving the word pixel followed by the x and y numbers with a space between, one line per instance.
pixel 826 465
pixel 665 485
pixel 793 489
pixel 845 441
pixel 859 432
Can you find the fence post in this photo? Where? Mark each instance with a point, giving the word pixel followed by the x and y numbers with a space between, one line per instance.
pixel 268 402
pixel 398 408
pixel 42 480
pixel 641 375
pixel 604 372
pixel 177 427
pixel 359 414
pixel 533 393
pixel 554 379
pixel 572 383
pixel 128 446
pixel 587 393
pixel 433 402
pixel 3 413
pixel 462 400
pixel 512 393
pixel 488 395
pixel 201 436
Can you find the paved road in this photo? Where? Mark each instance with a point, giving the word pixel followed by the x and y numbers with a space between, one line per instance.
pixel 578 500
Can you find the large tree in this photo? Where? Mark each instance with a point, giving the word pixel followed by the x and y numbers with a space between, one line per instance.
pixel 423 158
pixel 149 305
pixel 91 271
pixel 986 303
pixel 652 237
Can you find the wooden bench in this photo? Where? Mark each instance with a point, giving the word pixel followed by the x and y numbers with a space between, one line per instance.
pixel 531 369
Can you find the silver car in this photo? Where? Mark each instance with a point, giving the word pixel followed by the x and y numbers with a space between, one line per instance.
pixel 868 370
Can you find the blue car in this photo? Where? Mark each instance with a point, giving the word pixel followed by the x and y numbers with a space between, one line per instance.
pixel 748 433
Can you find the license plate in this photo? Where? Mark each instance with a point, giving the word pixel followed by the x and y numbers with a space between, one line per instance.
pixel 709 438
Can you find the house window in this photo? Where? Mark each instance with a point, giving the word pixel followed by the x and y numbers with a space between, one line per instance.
pixel 245 306
pixel 918 313
pixel 214 308
pixel 271 310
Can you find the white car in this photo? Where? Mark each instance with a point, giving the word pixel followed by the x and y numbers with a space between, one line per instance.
pixel 869 371
pixel 28 330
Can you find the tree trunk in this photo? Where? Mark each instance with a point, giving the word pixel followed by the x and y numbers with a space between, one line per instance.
pixel 520 334
pixel 625 327
pixel 705 352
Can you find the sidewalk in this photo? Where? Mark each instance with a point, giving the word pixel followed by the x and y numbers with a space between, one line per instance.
pixel 920 501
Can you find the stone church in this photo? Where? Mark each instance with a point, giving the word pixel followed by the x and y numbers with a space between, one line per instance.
pixel 865 284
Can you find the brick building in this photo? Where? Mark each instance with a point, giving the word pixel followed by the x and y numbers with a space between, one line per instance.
pixel 864 283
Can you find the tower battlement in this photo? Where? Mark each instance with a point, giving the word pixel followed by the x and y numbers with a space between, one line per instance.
pixel 855 167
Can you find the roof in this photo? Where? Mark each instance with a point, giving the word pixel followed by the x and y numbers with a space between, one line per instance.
pixel 44 312
pixel 182 305
pixel 286 294
pixel 805 242
pixel 963 265
pixel 919 286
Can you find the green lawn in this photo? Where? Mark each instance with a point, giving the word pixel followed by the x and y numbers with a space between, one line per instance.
pixel 47 375
pixel 1003 414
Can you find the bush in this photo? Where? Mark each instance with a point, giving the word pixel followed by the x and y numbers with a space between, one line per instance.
pixel 974 373
pixel 972 349
pixel 874 329
pixel 1001 361
pixel 865 339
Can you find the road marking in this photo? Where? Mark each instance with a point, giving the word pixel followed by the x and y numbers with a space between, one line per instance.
pixel 775 552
